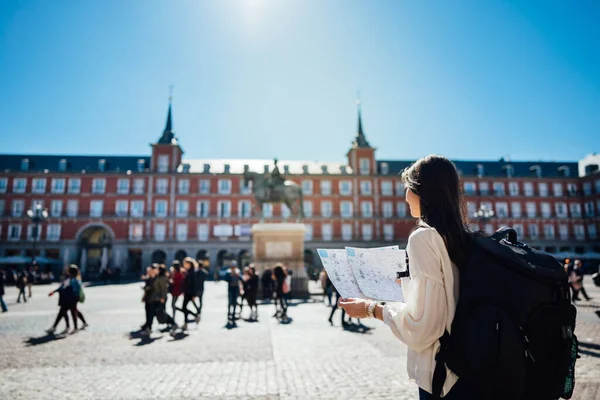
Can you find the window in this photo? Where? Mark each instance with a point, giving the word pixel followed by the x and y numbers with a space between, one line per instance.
pixel 366 188
pixel 203 232
pixel 533 231
pixel 366 209
pixel 74 185
pixel 163 163
pixel 326 209
pixel 204 186
pixel 53 232
pixel 589 209
pixel 400 191
pixel 515 209
pixel 587 188
pixel 138 186
pixel 488 229
pixel 480 170
pixel 245 188
pixel 561 210
pixel 575 210
pixel 326 232
pixel 308 233
pixel 308 209
pixel 121 207
pixel 579 232
pixel 543 189
pixel 244 209
pixel 572 189
pixel 388 232
pixel 519 229
pixel 101 165
pixel 3 185
pixel 98 186
pixel 401 209
pixel 72 208
pixel 364 166
pixel 136 231
pixel 58 185
pixel 33 230
pixel 307 187
pixel 14 232
pixel 386 188
pixel 56 208
pixel 502 210
pixel 39 185
pixel 202 209
pixel 484 188
pixel 385 168
pixel 471 209
pixel 141 165
pixel 513 188
pixel 557 188
pixel 499 189
pixel 96 208
pixel 162 186
pixel 160 232
pixel 563 232
pixel 137 208
pixel 183 186
pixel 367 232
pixel 19 185
pixel 546 210
pixel 285 211
pixel 1 208
pixel 25 164
pixel 37 203
pixel 182 232
pixel 592 231
pixel 346 231
pixel 528 189
pixel 160 208
pixel 123 186
pixel 345 188
pixel 224 186
pixel 549 231
pixel 531 210
pixel 182 207
pixel 326 188
pixel 267 210
pixel 469 188
pixel 387 209
pixel 17 208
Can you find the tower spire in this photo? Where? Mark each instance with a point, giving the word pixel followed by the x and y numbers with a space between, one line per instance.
pixel 360 140
pixel 168 135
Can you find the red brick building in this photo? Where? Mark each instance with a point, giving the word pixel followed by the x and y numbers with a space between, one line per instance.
pixel 129 211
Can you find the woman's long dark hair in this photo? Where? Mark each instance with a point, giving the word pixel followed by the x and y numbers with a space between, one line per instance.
pixel 435 180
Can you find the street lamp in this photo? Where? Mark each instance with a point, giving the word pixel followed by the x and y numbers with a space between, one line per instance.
pixel 483 213
pixel 36 215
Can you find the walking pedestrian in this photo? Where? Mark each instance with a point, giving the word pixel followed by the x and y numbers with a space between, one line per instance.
pixel 68 298
pixel 576 281
pixel 250 283
pixel 21 284
pixel 334 308
pixel 156 297
pixel 2 303
pixel 279 278
pixel 234 280
pixel 176 284
pixel 189 289
pixel 30 278
pixel 201 276
pixel 266 281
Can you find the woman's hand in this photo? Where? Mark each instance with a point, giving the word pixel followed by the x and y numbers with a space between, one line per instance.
pixel 356 308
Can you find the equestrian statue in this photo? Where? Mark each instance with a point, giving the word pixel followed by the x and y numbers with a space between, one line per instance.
pixel 274 188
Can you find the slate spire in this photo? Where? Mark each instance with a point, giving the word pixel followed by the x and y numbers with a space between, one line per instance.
pixel 360 140
pixel 168 136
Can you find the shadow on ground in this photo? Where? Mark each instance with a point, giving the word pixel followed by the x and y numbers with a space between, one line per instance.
pixel 36 341
pixel 589 349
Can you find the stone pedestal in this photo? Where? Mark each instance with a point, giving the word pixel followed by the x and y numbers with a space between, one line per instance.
pixel 281 243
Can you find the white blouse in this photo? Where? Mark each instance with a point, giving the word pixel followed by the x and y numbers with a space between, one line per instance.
pixel 431 294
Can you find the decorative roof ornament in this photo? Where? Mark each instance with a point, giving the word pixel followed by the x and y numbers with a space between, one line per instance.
pixel 360 140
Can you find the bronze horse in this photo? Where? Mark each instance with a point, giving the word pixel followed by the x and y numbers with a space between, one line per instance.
pixel 287 192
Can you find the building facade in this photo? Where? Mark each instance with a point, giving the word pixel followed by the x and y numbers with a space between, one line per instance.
pixel 127 212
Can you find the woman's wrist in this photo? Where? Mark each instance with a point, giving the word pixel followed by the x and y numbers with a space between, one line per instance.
pixel 378 312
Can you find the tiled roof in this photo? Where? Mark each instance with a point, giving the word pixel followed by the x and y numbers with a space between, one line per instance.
pixel 521 169
pixel 236 166
pixel 10 162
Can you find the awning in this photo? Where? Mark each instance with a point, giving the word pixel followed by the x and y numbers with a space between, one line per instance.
pixel 41 260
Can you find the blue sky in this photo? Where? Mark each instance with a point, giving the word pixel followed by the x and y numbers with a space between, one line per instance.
pixel 278 78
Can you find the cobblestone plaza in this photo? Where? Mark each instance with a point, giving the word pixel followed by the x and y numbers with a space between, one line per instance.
pixel 305 359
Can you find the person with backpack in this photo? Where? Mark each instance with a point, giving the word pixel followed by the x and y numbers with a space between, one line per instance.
pixel 508 334
pixel 69 296
pixel 576 281
pixel 189 289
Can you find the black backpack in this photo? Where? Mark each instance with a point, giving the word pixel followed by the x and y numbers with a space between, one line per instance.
pixel 513 330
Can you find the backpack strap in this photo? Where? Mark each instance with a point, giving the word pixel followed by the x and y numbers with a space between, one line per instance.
pixel 439 374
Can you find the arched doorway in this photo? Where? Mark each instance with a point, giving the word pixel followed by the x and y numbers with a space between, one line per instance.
pixel 201 255
pixel 95 249
pixel 312 270
pixel 244 258
pixel 159 257
pixel 224 259
pixel 180 255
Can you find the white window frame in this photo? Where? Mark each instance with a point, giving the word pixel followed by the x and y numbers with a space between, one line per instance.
pixel 516 209
pixel 224 186
pixel 563 232
pixel 502 209
pixel 364 166
pixel 366 188
pixel 267 210
pixel 326 188
pixel 543 190
pixel 546 210
pixel 139 185
pixel 17 208
pixel 160 232
pixel 575 209
pixel 592 231
pixel 346 209
pixel 72 208
pixel 387 209
pixel 387 189
pixel 587 188
pixel 74 185
pixel 366 209
pixel 307 187
pixel 400 189
pixel 181 232
pixel 56 207
pixel 203 231
pixel 204 186
pixel 182 208
pixel 549 232
pixel 58 185
pixel 557 189
pixel 326 209
pixel 224 209
pixel 401 209
pixel 589 209
pixel 19 185
pixel 513 188
pixel 308 208
pixel 484 188
pixel 38 185
pixel 30 232
pixel 162 186
pixel 528 190
pixel 533 231
pixel 285 211
pixel 136 210
pixel 244 209
pixel 183 186
pixel 388 232
pixel 347 232
pixel 99 186
pixel 94 209
pixel 367 232
pixel 162 164
pixel 200 208
pixel 157 211
pixel 53 232
pixel 344 192
pixel 308 233
pixel 136 232
pixel 531 209
pixel 245 189
pixel 14 238
pixel 499 189
pixel 470 188
pixel 123 186
pixel 565 208
pixel 121 208
pixel 3 185
pixel 579 231
pixel 327 232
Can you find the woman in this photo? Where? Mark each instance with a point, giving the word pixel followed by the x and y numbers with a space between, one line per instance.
pixel 436 249
pixel 189 289
pixel 279 275
pixel 176 284
pixel 251 291
pixel 68 298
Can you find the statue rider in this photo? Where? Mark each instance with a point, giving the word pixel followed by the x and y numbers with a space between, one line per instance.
pixel 274 180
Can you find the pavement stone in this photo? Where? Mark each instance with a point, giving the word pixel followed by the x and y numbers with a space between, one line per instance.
pixel 305 359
